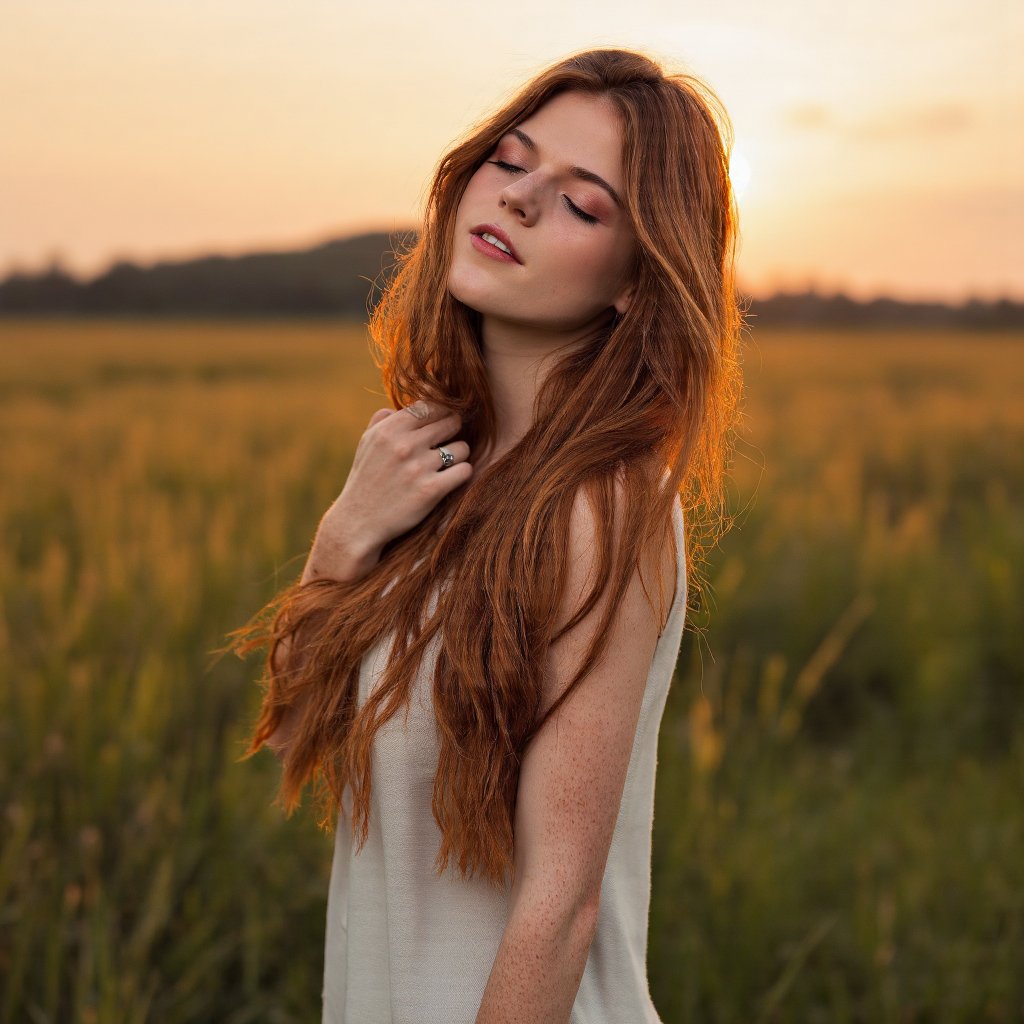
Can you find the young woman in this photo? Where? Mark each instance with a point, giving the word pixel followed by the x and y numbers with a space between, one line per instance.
pixel 473 666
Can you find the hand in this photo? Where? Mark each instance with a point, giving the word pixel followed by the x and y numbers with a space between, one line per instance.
pixel 396 477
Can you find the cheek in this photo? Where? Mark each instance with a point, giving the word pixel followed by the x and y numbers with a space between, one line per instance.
pixel 473 190
pixel 591 264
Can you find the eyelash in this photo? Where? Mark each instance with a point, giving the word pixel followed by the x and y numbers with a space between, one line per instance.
pixel 504 165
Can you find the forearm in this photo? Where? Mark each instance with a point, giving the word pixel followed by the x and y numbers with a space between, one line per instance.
pixel 538 966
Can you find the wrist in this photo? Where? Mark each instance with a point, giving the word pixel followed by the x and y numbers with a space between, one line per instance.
pixel 342 560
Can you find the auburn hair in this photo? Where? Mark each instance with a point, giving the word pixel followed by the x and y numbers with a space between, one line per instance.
pixel 639 415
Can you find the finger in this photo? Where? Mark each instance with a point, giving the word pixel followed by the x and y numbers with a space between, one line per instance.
pixel 380 414
pixel 419 410
pixel 437 431
pixel 424 411
pixel 458 449
pixel 459 474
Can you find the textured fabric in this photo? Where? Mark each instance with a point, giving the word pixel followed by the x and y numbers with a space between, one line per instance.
pixel 404 946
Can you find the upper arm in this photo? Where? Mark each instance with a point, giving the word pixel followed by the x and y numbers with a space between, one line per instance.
pixel 573 771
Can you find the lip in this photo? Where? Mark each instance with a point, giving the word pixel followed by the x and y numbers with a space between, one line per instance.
pixel 493 229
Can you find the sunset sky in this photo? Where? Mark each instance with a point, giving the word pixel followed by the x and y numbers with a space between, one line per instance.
pixel 879 146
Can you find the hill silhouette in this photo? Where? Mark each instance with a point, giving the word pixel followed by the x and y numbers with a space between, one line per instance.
pixel 344 277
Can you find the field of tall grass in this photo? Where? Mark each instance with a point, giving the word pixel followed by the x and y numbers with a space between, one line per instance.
pixel 839 825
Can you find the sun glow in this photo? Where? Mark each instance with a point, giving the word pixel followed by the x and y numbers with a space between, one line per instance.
pixel 739 171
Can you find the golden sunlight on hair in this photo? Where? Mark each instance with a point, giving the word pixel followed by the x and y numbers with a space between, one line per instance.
pixel 640 420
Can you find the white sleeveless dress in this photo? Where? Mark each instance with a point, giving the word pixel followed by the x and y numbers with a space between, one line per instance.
pixel 404 946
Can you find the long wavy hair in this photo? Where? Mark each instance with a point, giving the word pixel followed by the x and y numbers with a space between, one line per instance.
pixel 647 407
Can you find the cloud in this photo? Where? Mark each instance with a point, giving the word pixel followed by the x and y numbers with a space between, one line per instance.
pixel 936 119
pixel 909 124
pixel 809 117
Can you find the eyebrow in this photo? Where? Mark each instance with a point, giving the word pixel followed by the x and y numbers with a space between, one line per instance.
pixel 576 172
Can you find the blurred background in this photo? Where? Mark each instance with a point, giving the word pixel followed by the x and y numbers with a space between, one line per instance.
pixel 195 203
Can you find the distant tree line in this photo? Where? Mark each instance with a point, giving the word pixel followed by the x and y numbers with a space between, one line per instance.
pixel 345 277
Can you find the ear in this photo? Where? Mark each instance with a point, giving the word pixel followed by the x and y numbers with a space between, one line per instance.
pixel 623 299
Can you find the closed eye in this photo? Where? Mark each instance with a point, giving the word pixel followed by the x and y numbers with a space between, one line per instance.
pixel 511 168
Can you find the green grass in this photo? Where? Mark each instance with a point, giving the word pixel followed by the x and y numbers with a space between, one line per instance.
pixel 839 823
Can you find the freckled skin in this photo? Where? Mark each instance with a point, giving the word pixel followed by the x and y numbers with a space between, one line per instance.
pixel 539 966
pixel 572 277
pixel 573 272
pixel 571 784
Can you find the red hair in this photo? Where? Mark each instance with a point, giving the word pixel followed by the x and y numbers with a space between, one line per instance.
pixel 656 395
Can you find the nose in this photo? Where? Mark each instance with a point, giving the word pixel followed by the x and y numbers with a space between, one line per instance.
pixel 520 197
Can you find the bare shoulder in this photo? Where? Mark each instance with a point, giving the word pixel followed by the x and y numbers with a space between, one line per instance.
pixel 646 601
pixel 573 771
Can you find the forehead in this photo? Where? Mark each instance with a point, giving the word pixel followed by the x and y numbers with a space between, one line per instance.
pixel 578 128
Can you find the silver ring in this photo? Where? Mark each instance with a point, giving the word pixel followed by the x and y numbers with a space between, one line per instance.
pixel 447 459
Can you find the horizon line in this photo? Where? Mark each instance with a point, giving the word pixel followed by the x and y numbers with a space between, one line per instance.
pixel 800 285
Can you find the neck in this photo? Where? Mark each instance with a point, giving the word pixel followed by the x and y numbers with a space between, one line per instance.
pixel 517 358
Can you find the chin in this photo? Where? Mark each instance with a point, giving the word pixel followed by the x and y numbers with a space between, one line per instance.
pixel 476 298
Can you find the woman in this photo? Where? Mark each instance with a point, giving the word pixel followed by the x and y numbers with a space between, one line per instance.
pixel 473 666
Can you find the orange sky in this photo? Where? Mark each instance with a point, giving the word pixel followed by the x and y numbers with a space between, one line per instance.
pixel 880 146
